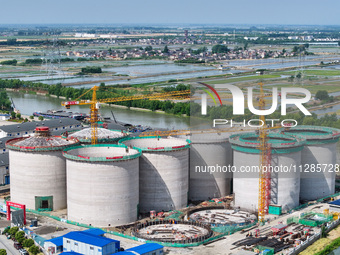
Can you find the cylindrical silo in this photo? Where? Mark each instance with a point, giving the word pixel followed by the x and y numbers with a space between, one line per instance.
pixel 209 152
pixel 284 155
pixel 318 160
pixel 163 172
pixel 104 135
pixel 102 184
pixel 38 170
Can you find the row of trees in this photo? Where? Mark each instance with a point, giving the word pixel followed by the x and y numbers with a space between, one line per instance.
pixel 20 237
pixel 5 103
pixel 91 69
pixel 220 49
pixel 167 106
pixel 12 62
pixel 190 61
pixel 104 92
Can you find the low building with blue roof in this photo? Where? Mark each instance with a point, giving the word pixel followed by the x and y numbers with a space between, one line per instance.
pixel 71 253
pixel 145 249
pixel 86 243
pixel 95 231
pixel 54 245
pixel 334 206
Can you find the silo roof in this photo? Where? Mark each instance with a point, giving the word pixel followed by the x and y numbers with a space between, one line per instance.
pixel 50 143
pixel 156 143
pixel 314 134
pixel 280 143
pixel 101 153
pixel 103 135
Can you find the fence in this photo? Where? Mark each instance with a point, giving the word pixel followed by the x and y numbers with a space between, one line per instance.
pixel 317 201
pixel 314 238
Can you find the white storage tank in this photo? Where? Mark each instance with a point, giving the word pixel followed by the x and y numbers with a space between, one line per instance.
pixel 209 150
pixel 163 172
pixel 104 135
pixel 318 160
pixel 38 170
pixel 102 184
pixel 285 155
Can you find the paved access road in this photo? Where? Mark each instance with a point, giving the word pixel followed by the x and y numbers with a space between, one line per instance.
pixel 8 245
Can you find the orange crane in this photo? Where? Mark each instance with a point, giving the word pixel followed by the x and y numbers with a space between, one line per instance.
pixel 95 103
pixel 265 161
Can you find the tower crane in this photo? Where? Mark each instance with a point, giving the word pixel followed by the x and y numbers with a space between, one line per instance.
pixel 265 160
pixel 95 103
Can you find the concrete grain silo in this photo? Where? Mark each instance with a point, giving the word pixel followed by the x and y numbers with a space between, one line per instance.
pixel 209 150
pixel 102 184
pixel 318 160
pixel 285 155
pixel 38 170
pixel 163 172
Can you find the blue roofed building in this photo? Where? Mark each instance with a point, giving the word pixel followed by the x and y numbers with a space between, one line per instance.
pixel 71 253
pixel 95 231
pixel 86 243
pixel 54 245
pixel 90 241
pixel 334 206
pixel 145 249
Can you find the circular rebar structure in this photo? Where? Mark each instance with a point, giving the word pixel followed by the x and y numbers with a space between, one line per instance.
pixel 219 216
pixel 170 231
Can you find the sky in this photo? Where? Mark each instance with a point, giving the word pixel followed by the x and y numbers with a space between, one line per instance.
pixel 295 12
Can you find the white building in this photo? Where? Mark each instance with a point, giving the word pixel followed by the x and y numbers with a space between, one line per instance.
pixel 4 169
pixel 27 128
pixel 86 243
pixel 4 116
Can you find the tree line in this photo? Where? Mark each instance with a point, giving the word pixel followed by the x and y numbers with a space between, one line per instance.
pixel 102 93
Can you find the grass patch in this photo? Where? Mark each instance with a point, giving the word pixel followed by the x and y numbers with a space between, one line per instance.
pixel 314 72
pixel 312 88
pixel 245 78
pixel 318 246
pixel 324 245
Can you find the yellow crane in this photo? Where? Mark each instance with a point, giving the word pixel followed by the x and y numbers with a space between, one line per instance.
pixel 95 103
pixel 265 160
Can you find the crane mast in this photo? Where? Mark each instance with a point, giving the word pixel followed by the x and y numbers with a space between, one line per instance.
pixel 265 161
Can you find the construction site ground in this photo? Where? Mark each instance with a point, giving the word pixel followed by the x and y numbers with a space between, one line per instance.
pixel 49 228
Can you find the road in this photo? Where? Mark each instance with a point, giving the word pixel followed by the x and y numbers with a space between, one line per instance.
pixel 8 245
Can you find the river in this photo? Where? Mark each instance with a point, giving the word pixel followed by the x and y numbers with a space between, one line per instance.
pixel 28 103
